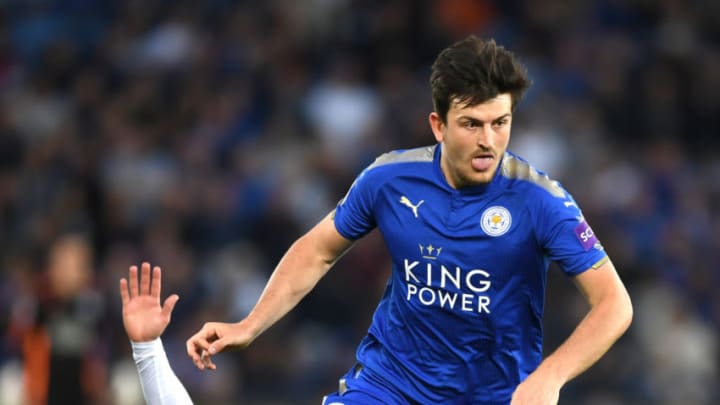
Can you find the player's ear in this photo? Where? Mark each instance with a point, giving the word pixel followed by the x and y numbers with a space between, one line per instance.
pixel 437 125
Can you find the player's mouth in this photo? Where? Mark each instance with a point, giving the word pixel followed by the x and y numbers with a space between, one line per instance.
pixel 482 162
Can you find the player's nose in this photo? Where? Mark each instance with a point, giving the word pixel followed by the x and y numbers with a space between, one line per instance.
pixel 484 137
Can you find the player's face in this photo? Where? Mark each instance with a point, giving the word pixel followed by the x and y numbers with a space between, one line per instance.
pixel 473 140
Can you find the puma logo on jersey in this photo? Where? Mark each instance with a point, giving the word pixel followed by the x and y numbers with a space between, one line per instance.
pixel 414 207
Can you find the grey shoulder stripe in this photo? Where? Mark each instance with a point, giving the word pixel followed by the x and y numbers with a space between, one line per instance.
pixel 516 169
pixel 423 154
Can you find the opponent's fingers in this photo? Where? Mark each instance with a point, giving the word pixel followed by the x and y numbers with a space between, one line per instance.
pixel 145 279
pixel 169 304
pixel 133 281
pixel 156 282
pixel 124 294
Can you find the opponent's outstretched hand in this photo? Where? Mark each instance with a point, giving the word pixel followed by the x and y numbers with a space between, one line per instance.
pixel 143 317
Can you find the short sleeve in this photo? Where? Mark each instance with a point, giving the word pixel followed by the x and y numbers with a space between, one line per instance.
pixel 566 236
pixel 354 217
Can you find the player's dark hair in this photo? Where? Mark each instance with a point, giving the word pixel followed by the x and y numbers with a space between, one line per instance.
pixel 472 71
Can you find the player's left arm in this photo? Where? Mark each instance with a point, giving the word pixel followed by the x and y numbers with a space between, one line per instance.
pixel 609 317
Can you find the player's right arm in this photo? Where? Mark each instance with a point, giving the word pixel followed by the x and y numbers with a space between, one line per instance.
pixel 302 266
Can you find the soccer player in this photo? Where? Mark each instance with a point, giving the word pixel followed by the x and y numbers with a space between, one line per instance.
pixel 471 229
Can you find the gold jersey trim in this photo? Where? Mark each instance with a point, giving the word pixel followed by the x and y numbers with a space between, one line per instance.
pixel 422 154
pixel 600 262
pixel 514 168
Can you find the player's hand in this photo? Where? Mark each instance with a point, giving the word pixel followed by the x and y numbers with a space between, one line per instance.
pixel 143 317
pixel 214 338
pixel 536 390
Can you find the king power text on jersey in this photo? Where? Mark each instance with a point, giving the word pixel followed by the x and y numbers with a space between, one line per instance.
pixel 433 290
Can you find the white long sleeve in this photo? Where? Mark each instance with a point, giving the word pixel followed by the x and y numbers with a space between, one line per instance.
pixel 159 383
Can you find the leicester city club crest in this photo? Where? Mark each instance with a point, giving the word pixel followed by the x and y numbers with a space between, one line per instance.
pixel 495 221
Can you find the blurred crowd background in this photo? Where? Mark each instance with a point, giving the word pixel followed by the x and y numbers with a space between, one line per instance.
pixel 205 136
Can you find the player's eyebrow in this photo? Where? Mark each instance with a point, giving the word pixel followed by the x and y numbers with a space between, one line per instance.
pixel 477 121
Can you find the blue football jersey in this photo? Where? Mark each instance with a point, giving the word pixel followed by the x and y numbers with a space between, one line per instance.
pixel 460 320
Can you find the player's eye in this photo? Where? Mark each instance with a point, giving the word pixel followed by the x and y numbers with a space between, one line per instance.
pixel 471 125
pixel 501 123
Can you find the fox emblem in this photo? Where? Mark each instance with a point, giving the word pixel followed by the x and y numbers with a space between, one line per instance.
pixel 414 207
